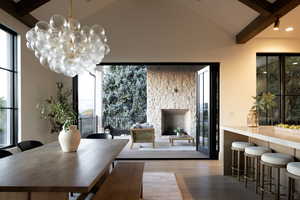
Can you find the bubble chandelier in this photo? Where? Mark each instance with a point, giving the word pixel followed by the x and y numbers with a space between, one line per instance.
pixel 65 46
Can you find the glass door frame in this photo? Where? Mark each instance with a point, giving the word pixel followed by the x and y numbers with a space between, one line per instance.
pixel 212 149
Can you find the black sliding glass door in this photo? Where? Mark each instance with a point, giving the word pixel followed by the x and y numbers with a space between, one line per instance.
pixel 208 110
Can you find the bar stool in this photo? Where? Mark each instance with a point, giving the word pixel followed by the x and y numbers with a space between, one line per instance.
pixel 293 173
pixel 252 156
pixel 277 161
pixel 237 149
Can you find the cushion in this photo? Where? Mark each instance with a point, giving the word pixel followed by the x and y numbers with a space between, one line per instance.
pixel 257 150
pixel 241 145
pixel 276 158
pixel 294 168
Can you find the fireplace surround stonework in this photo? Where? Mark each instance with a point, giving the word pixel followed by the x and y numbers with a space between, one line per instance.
pixel 171 89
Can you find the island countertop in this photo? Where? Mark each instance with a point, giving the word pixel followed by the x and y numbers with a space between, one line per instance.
pixel 268 134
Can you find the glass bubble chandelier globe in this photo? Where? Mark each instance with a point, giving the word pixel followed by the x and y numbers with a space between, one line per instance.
pixel 67 47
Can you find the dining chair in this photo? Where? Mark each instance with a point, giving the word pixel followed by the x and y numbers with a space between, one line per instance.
pixel 97 136
pixel 29 144
pixel 4 153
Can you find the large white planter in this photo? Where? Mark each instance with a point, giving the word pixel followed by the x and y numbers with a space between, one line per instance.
pixel 69 140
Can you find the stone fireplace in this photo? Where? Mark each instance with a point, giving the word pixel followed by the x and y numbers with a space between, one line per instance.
pixel 175 118
pixel 171 99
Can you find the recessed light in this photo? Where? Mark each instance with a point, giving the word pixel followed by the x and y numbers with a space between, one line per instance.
pixel 289 29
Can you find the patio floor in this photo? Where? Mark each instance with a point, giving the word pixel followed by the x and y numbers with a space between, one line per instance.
pixel 162 150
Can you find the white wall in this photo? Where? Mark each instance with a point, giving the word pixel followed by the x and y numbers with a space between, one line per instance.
pixel 37 83
pixel 144 31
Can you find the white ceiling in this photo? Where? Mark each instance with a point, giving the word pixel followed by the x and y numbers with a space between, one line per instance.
pixel 229 15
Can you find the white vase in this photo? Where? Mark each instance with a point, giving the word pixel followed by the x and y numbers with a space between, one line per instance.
pixel 69 140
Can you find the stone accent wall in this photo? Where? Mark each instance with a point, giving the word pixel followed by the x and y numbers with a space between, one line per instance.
pixel 169 88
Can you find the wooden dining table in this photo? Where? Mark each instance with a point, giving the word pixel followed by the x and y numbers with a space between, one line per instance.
pixel 46 172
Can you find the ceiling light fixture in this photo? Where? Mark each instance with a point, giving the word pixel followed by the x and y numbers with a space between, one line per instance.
pixel 276 24
pixel 289 29
pixel 67 47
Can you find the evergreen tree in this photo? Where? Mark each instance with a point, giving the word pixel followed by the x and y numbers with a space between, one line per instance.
pixel 125 95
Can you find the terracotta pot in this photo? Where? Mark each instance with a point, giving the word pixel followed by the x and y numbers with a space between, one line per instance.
pixel 252 118
pixel 69 140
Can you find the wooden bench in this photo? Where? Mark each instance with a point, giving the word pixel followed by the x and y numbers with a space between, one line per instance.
pixel 124 183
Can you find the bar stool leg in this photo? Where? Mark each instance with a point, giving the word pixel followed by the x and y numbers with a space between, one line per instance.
pixel 239 165
pixel 290 189
pixel 246 171
pixel 278 185
pixel 232 162
pixel 270 178
pixel 262 181
pixel 293 188
pixel 257 173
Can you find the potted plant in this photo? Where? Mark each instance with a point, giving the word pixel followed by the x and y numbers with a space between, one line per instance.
pixel 61 116
pixel 262 104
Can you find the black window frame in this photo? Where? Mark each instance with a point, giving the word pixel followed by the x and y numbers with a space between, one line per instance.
pixel 282 78
pixel 14 89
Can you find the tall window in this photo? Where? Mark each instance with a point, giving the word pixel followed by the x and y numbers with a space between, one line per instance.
pixel 8 88
pixel 87 103
pixel 280 75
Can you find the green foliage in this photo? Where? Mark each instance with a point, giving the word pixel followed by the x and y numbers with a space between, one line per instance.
pixel 264 102
pixel 125 95
pixel 2 114
pixel 58 110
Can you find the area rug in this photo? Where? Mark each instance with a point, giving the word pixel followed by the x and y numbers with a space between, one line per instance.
pixel 161 186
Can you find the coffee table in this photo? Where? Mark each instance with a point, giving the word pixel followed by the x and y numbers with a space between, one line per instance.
pixel 183 137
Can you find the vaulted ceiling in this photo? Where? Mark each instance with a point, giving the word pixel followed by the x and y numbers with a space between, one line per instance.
pixel 232 16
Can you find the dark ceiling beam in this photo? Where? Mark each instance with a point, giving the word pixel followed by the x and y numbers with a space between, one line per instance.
pixel 26 6
pixel 261 6
pixel 10 7
pixel 279 9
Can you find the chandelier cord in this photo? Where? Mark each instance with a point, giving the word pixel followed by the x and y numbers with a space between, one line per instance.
pixel 71 9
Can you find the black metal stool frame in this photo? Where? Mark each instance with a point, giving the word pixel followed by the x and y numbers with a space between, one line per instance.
pixel 262 182
pixel 291 186
pixel 236 167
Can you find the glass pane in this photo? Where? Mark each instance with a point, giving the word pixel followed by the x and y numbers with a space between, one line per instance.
pixel 274 114
pixel 6 88
pixel 273 70
pixel 5 50
pixel 206 107
pixel 261 75
pixel 86 95
pixel 5 121
pixel 86 103
pixel 200 106
pixel 292 109
pixel 292 75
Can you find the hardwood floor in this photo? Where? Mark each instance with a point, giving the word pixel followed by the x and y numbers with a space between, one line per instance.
pixel 202 180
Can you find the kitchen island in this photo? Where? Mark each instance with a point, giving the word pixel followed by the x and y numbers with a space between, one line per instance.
pixel 278 140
